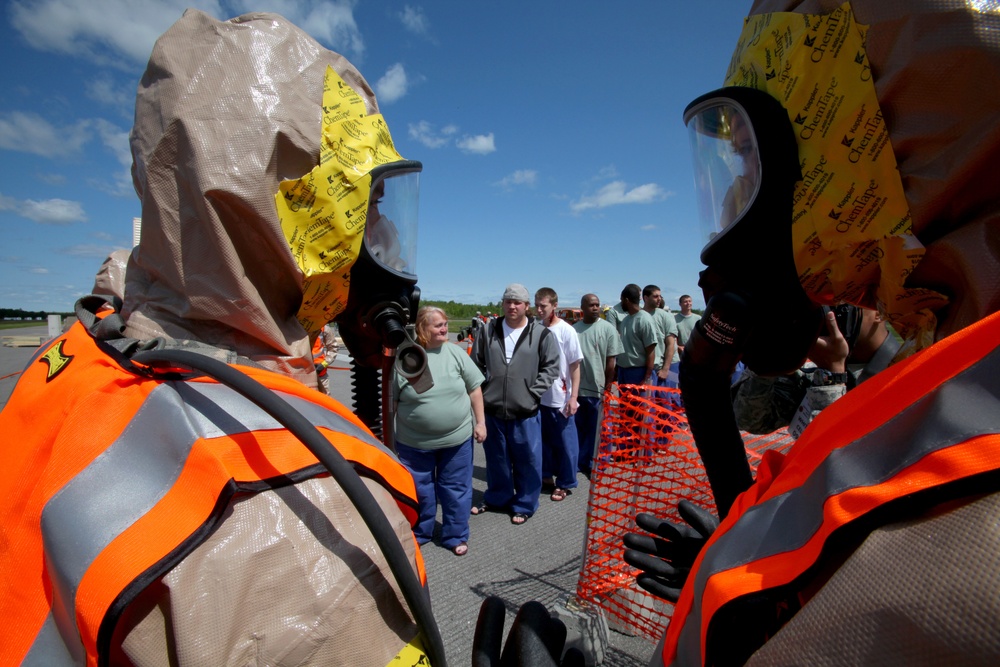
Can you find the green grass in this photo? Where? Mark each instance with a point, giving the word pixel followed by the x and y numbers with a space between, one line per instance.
pixel 455 324
pixel 23 324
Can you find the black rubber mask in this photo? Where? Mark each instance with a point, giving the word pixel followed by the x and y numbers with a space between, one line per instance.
pixel 746 167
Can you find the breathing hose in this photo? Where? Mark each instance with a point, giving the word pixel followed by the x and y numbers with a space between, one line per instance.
pixel 341 471
pixel 366 396
pixel 708 362
pixel 388 409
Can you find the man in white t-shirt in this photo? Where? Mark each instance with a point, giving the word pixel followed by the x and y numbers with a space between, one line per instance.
pixel 560 444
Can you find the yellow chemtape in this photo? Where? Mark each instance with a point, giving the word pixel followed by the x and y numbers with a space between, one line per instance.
pixel 412 655
pixel 851 227
pixel 323 214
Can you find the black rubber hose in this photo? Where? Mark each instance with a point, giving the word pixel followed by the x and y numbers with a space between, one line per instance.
pixel 366 395
pixel 705 373
pixel 388 408
pixel 341 471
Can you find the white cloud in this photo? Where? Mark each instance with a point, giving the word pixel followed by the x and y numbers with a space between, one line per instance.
pixel 30 133
pixel 47 212
pixel 40 270
pixel 480 144
pixel 330 22
pixel 429 136
pixel 392 85
pixel 425 133
pixel 414 20
pixel 103 89
pixel 115 139
pixel 103 31
pixel 607 173
pixel 110 31
pixel 647 228
pixel 520 177
pixel 615 193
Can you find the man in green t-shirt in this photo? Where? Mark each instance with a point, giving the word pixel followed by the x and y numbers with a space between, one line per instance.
pixel 638 357
pixel 685 321
pixel 666 340
pixel 614 315
pixel 637 361
pixel 600 344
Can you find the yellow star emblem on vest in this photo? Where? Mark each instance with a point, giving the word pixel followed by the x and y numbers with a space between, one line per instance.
pixel 56 360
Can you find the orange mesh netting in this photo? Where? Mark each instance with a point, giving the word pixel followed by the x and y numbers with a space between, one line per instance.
pixel 646 462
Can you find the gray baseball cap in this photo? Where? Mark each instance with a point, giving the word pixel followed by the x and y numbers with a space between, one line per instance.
pixel 516 292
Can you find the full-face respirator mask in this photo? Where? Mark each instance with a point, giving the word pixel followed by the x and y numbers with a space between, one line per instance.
pixel 384 297
pixel 746 168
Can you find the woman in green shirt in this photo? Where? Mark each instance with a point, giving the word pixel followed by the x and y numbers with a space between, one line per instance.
pixel 435 429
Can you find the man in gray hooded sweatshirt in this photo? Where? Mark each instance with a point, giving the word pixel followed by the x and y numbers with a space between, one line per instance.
pixel 520 360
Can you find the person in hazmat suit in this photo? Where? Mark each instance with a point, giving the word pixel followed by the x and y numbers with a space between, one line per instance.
pixel 873 128
pixel 174 490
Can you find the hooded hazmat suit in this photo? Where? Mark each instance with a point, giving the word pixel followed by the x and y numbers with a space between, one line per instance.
pixel 162 519
pixel 874 540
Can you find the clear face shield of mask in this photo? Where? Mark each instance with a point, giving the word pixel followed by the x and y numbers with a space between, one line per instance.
pixel 727 165
pixel 391 229
pixel 384 296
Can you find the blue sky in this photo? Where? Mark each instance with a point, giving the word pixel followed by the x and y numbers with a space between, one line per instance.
pixel 550 132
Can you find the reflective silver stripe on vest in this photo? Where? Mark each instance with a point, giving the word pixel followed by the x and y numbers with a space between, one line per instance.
pixel 50 650
pixel 964 407
pixel 133 474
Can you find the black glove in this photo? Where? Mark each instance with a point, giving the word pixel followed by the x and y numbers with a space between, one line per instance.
pixel 535 639
pixel 666 562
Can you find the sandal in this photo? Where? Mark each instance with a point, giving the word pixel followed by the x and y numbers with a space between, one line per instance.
pixel 519 518
pixel 481 508
pixel 461 549
pixel 560 494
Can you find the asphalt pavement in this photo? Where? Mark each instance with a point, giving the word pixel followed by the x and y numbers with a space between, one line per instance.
pixel 14 359
pixel 539 560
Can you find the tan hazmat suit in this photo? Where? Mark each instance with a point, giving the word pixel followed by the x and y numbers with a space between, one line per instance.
pixel 224 113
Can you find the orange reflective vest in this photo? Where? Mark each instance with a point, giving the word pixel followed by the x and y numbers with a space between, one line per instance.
pixel 925 429
pixel 110 479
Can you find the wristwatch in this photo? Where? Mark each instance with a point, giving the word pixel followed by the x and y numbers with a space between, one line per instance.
pixel 824 378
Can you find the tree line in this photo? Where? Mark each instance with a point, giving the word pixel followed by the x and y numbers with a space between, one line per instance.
pixel 463 310
pixel 18 314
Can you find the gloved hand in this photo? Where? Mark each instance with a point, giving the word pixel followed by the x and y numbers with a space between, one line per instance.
pixel 320 369
pixel 667 559
pixel 535 638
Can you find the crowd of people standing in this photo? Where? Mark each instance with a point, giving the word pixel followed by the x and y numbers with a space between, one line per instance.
pixel 530 390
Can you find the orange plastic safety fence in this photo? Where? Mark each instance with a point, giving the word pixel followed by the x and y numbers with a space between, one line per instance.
pixel 646 462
